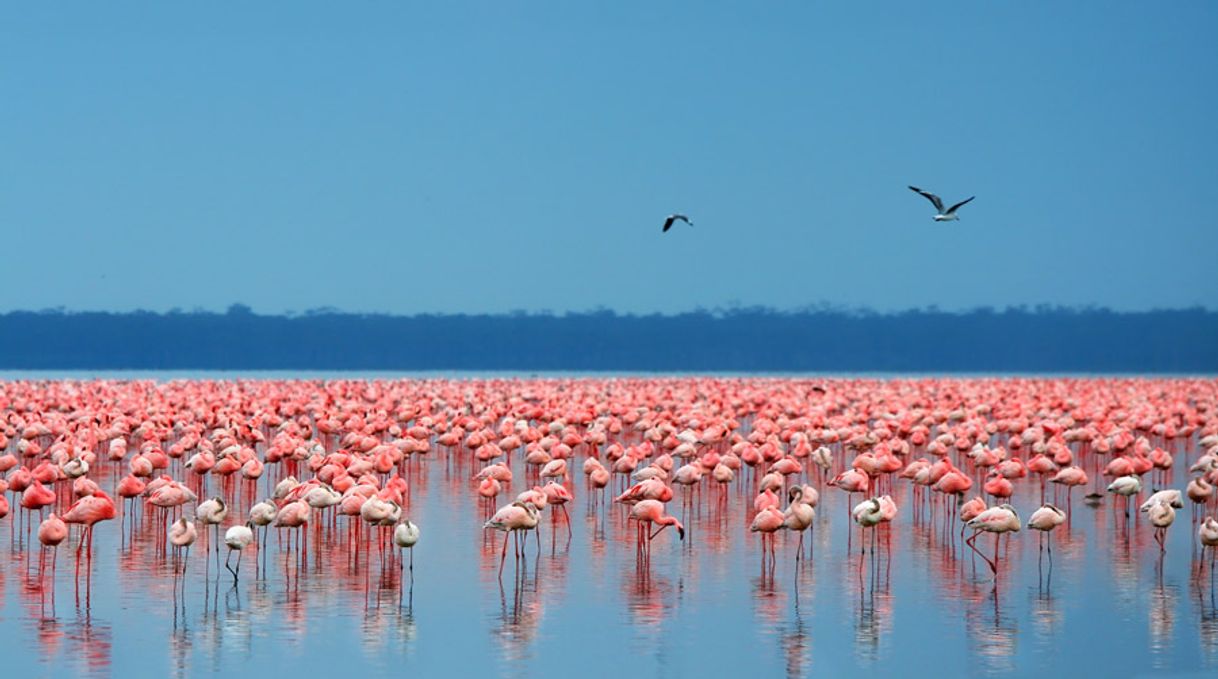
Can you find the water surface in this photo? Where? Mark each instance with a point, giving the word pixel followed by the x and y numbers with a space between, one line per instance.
pixel 921 604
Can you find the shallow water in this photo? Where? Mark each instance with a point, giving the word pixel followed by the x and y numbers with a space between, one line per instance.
pixel 922 604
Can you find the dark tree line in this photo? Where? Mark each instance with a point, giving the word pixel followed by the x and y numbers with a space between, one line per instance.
pixel 749 339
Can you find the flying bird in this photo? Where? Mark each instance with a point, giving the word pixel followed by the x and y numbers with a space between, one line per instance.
pixel 944 216
pixel 672 218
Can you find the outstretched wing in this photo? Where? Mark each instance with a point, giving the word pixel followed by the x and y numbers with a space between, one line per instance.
pixel 668 224
pixel 935 200
pixel 953 208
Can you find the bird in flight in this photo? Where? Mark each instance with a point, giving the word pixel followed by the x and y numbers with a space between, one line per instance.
pixel 944 216
pixel 672 218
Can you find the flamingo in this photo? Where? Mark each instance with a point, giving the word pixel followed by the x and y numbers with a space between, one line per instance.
pixel 515 517
pixel 867 514
pixel 262 515
pixel 1207 532
pixel 89 511
pixel 1161 515
pixel 182 535
pixel 212 512
pixel 1046 519
pixel 648 512
pixel 800 513
pixel 767 522
pixel 237 538
pixel 1126 486
pixel 996 520
pixel 51 532
pixel 405 536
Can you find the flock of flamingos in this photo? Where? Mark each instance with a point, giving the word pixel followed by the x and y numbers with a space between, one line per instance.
pixel 327 464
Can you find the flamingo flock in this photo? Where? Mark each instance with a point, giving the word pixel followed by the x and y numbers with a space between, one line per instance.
pixel 330 462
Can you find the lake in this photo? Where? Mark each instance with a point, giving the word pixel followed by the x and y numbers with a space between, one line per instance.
pixel 920 605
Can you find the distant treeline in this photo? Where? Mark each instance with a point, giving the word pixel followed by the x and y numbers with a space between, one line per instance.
pixel 742 339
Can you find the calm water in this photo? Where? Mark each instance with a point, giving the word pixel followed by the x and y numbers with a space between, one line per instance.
pixel 704 607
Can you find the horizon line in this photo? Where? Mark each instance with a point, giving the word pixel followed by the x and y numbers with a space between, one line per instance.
pixel 240 309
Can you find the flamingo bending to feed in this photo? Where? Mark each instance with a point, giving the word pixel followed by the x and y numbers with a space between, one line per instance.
pixel 647 512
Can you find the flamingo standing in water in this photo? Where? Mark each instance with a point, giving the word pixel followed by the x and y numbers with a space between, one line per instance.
pixel 1045 520
pixel 1208 534
pixel 295 514
pixel 852 481
pixel 647 512
pixel 557 497
pixel 767 522
pixel 518 516
pixel 867 514
pixel 1126 486
pixel 212 513
pixel 182 535
pixel 263 515
pixel 36 497
pixel 800 513
pixel 51 532
pixel 1161 515
pixel 1199 492
pixel 237 538
pixel 1069 477
pixel 996 520
pixel 405 536
pixel 88 511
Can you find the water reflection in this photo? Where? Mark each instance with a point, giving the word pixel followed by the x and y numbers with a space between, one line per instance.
pixel 992 630
pixel 1162 618
pixel 519 615
pixel 1206 601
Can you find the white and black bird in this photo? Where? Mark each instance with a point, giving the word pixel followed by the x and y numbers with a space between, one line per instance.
pixel 673 218
pixel 948 215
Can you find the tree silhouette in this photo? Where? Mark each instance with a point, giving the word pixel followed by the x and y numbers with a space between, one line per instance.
pixel 753 339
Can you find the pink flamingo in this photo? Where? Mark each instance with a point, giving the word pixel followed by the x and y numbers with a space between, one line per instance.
pixel 648 512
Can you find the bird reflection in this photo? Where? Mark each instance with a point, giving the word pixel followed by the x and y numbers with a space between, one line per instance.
pixel 649 597
pixel 1162 619
pixel 992 632
pixel 1207 609
pixel 796 646
pixel 873 606
pixel 518 620
pixel 1046 614
pixel 91 642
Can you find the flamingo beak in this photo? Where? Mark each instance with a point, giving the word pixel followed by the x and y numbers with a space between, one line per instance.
pixel 681 532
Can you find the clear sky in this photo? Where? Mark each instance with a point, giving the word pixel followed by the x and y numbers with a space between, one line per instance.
pixel 444 156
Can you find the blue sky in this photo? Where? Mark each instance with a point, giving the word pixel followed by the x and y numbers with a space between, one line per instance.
pixel 433 157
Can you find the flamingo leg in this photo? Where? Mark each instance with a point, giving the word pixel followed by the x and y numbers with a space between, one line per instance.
pixel 503 556
pixel 969 542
